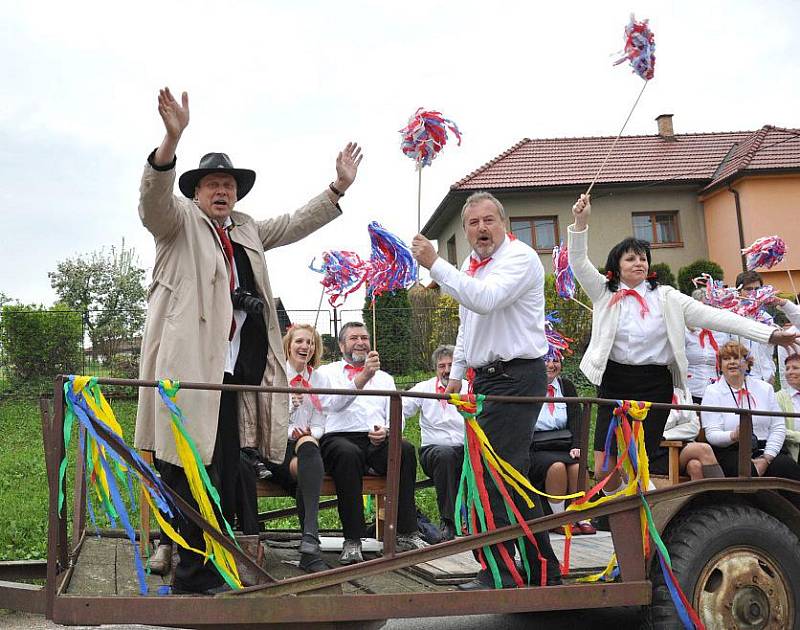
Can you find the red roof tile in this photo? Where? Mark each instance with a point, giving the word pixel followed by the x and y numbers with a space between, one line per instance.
pixel 687 157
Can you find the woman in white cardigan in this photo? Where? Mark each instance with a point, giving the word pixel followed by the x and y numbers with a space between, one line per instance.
pixel 637 349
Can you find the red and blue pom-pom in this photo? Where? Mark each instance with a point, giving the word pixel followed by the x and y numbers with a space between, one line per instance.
pixel 565 279
pixel 557 344
pixel 640 48
pixel 764 253
pixel 392 266
pixel 425 135
pixel 344 272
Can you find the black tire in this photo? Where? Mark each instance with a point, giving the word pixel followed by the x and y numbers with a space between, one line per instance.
pixel 737 565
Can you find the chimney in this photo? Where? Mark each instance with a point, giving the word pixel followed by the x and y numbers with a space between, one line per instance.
pixel 665 126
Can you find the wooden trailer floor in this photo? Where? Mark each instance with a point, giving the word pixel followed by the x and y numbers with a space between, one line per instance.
pixel 105 566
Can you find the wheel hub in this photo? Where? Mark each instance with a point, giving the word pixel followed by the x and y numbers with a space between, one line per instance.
pixel 741 587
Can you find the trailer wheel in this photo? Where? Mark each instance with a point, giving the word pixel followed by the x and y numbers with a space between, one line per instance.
pixel 739 566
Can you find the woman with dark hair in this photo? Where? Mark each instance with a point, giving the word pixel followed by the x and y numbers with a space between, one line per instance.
pixel 736 389
pixel 555 448
pixel 637 349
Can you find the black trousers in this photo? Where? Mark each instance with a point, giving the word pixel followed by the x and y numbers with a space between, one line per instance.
pixel 347 457
pixel 651 383
pixel 509 428
pixel 782 466
pixel 443 464
pixel 192 573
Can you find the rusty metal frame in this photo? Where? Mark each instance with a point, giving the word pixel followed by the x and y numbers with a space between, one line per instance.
pixel 269 603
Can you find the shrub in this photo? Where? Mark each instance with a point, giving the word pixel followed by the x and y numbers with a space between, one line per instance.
pixel 40 343
pixel 687 273
pixel 576 320
pixel 393 330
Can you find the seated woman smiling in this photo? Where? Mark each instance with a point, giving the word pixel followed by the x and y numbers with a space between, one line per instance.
pixel 737 389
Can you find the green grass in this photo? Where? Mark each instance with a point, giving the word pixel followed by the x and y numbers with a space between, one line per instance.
pixel 23 481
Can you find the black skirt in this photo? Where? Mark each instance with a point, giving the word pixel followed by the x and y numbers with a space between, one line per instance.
pixel 652 383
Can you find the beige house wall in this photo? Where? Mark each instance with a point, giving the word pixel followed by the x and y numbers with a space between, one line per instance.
pixel 770 205
pixel 611 221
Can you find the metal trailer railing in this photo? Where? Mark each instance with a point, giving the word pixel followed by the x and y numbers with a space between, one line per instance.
pixel 277 602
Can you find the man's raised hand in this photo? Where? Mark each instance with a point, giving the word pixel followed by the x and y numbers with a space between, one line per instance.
pixel 175 115
pixel 347 166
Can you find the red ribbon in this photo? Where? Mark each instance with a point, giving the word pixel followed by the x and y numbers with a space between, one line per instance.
pixel 706 334
pixel 352 370
pixel 623 293
pixel 227 247
pixel 551 393
pixel 475 264
pixel 299 381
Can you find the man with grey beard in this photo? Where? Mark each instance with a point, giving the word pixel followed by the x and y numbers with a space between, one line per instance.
pixel 355 441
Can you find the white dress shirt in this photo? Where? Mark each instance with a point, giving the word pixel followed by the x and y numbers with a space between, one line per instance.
pixel 702 359
pixel 792 312
pixel 794 396
pixel 718 426
pixel 439 422
pixel 641 340
pixel 362 413
pixel 501 308
pixel 558 419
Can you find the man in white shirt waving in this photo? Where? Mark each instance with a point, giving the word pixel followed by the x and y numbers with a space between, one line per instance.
pixel 356 439
pixel 501 336
pixel 441 452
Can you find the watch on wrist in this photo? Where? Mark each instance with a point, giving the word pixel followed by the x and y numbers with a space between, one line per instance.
pixel 335 190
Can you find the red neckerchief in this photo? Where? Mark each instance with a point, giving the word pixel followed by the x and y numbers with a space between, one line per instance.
pixel 511 236
pixel 470 376
pixel 440 390
pixel 227 247
pixel 623 293
pixel 706 334
pixel 551 393
pixel 300 381
pixel 475 264
pixel 740 397
pixel 352 370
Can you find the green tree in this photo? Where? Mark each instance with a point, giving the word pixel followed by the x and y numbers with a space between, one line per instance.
pixel 687 273
pixel 108 289
pixel 392 330
pixel 576 320
pixel 664 274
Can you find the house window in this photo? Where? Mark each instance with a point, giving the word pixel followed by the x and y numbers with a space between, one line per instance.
pixel 541 233
pixel 659 228
pixel 452 254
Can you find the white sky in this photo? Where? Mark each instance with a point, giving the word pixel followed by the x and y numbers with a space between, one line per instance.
pixel 282 86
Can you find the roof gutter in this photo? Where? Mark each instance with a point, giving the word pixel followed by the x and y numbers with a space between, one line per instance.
pixel 739 224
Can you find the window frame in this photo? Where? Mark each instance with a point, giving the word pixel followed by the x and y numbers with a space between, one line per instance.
pixel 530 220
pixel 675 214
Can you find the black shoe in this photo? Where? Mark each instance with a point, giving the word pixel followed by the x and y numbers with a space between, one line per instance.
pixel 309 545
pixel 312 563
pixel 601 523
pixel 448 531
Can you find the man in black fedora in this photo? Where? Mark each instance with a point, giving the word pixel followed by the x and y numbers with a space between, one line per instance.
pixel 211 318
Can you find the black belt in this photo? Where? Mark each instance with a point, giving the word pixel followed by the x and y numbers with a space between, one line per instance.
pixel 499 367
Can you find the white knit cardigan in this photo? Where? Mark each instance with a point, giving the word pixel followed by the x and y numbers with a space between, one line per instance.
pixel 679 311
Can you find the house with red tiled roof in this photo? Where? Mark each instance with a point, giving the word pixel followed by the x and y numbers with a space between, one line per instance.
pixel 695 195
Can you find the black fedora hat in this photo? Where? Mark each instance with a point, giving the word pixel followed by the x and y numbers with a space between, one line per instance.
pixel 217 163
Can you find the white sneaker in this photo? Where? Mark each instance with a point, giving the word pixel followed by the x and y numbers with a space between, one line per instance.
pixel 351 552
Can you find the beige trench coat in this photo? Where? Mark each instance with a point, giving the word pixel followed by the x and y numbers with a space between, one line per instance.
pixel 189 315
